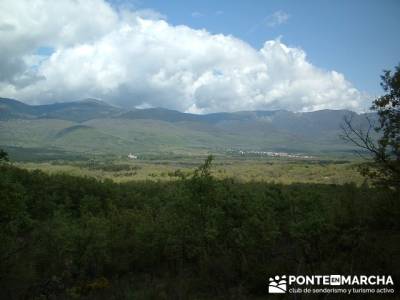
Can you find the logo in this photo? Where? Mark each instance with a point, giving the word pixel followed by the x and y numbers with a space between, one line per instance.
pixel 277 285
pixel 335 280
pixel 332 284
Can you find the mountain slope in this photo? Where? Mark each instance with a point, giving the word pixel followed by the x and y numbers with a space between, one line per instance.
pixel 93 126
pixel 13 109
pixel 78 111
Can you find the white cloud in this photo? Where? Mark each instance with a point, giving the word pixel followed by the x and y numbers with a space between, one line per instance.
pixel 27 25
pixel 277 18
pixel 132 60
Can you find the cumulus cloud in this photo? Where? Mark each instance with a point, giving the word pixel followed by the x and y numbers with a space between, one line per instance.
pixel 135 60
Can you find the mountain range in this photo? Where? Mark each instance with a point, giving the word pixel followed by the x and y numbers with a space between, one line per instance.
pixel 92 126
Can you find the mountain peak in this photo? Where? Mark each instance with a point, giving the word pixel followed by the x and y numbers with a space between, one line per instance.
pixel 94 101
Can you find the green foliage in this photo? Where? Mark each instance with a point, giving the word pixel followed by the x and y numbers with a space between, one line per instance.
pixel 66 237
pixel 3 155
pixel 385 147
pixel 243 170
pixel 387 155
pixel 204 170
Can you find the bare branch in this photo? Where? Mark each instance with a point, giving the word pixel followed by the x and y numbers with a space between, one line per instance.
pixel 357 136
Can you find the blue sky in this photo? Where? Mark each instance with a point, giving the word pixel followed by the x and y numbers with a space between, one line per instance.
pixel 358 38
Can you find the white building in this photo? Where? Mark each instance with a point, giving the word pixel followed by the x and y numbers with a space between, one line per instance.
pixel 131 156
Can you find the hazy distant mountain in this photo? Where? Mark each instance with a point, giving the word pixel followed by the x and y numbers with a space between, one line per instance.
pixel 12 109
pixel 74 111
pixel 94 126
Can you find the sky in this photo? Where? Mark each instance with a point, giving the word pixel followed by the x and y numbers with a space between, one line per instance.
pixel 199 56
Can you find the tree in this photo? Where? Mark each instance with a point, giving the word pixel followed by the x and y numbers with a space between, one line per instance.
pixel 3 155
pixel 385 149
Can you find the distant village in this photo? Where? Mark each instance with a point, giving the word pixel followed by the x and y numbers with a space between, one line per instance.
pixel 254 153
pixel 269 153
pixel 132 156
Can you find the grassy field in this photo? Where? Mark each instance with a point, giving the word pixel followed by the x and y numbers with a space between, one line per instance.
pixel 277 170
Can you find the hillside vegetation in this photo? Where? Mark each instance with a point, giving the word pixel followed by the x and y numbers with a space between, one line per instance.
pixel 66 237
pixel 91 126
pixel 244 170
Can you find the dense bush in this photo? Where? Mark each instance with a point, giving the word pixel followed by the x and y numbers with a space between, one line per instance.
pixel 65 237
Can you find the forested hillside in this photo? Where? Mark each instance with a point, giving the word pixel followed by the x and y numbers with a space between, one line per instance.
pixel 92 126
pixel 65 237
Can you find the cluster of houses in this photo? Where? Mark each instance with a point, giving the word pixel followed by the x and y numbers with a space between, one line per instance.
pixel 252 153
pixel 131 156
pixel 270 153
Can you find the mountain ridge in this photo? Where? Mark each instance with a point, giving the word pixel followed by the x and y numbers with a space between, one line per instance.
pixel 91 125
pixel 141 112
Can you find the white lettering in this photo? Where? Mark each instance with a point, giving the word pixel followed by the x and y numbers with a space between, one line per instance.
pixel 340 280
pixel 292 279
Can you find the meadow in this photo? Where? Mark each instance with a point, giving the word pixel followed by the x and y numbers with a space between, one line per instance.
pixel 243 169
